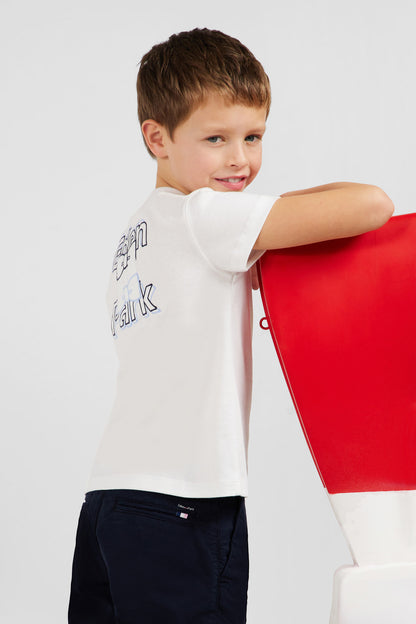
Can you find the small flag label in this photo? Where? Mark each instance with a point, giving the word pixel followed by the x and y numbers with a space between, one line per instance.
pixel 186 514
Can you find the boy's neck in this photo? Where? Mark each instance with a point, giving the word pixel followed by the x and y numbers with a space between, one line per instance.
pixel 163 181
pixel 160 180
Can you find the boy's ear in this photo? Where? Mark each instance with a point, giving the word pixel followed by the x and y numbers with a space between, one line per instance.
pixel 155 136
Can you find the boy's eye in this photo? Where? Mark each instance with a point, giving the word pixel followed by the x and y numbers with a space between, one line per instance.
pixel 251 138
pixel 214 139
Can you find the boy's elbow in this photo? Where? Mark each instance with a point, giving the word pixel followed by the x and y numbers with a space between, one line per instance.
pixel 382 207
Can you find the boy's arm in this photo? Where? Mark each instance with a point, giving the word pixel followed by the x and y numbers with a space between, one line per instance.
pixel 324 187
pixel 325 212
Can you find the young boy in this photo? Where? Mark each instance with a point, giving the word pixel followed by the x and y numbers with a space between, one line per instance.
pixel 162 535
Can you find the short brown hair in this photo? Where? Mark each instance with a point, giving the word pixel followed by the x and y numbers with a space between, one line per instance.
pixel 176 75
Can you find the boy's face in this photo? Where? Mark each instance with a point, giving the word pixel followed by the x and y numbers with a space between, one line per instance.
pixel 217 146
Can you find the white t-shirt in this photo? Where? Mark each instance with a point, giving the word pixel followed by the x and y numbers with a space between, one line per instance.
pixel 181 316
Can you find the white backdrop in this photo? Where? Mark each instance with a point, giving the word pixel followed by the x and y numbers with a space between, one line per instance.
pixel 74 169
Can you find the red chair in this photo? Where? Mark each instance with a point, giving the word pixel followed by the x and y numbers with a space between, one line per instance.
pixel 342 317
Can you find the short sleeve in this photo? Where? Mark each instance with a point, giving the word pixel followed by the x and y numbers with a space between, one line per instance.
pixel 225 226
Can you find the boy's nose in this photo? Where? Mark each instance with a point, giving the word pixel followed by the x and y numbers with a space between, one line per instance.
pixel 237 156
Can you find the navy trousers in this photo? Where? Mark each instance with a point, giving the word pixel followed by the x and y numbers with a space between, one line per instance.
pixel 152 558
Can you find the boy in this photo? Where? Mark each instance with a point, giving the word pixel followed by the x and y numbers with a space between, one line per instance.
pixel 162 535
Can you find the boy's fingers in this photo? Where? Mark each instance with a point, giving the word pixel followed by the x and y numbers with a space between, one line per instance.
pixel 254 277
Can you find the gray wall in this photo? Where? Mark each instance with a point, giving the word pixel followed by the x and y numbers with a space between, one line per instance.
pixel 74 169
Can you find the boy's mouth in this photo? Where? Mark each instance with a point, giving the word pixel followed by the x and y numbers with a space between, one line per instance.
pixel 235 183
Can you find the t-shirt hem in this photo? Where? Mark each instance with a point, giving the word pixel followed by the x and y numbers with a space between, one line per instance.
pixel 164 485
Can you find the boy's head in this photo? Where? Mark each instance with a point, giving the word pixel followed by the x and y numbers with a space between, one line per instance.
pixel 189 71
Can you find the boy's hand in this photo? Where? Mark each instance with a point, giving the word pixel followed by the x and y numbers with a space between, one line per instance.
pixel 254 277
